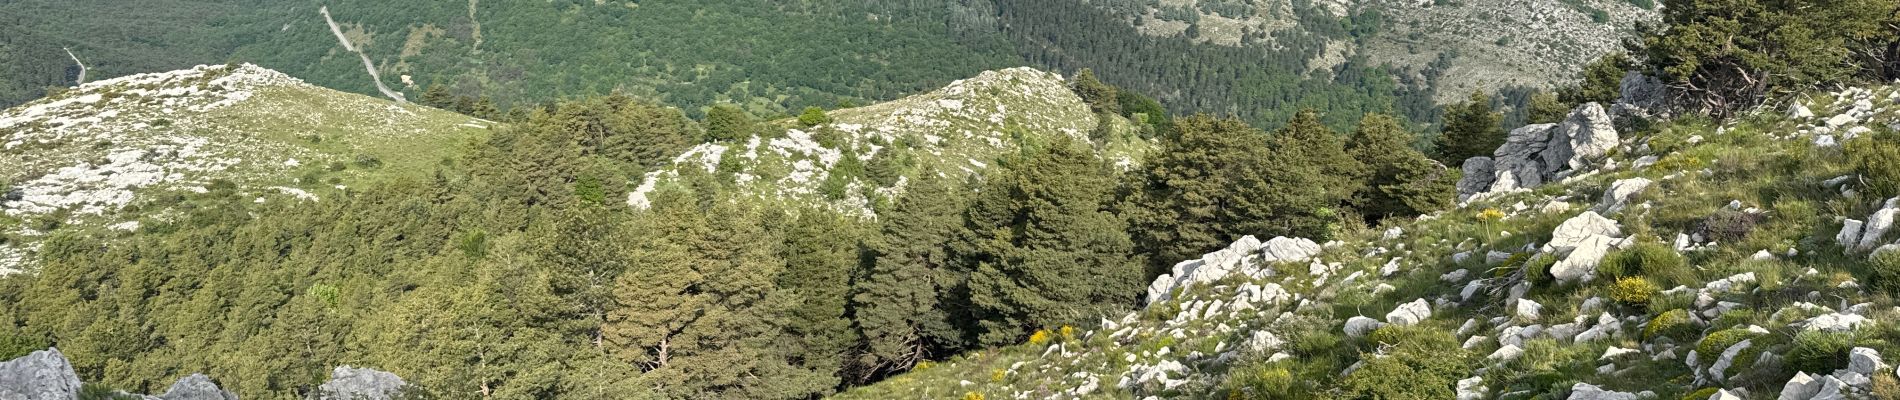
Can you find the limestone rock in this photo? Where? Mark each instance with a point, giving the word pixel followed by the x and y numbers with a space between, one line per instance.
pixel 1581 264
pixel 1410 313
pixel 1618 196
pixel 347 383
pixel 1585 391
pixel 1480 173
pixel 43 374
pixel 1801 387
pixel 1506 354
pixel 1850 233
pixel 1359 326
pixel 196 387
pixel 1529 310
pixel 1471 388
pixel 1575 230
pixel 1876 228
pixel 1864 361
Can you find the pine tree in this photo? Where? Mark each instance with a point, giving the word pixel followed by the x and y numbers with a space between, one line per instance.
pixel 1602 81
pixel 699 309
pixel 1402 181
pixel 1186 202
pixel 727 122
pixel 1546 108
pixel 438 96
pixel 820 253
pixel 1309 179
pixel 1101 97
pixel 906 303
pixel 1043 247
pixel 1472 129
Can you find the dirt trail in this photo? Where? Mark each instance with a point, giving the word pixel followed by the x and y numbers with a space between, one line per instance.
pixel 367 64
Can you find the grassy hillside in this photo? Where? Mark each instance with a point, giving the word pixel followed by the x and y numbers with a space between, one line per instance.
pixel 114 152
pixel 1737 239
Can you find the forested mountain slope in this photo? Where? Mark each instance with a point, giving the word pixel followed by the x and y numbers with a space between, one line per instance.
pixel 775 58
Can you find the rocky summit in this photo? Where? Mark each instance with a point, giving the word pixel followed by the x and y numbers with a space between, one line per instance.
pixel 106 154
pixel 956 131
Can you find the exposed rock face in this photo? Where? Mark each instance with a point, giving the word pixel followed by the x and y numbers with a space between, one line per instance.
pixel 44 374
pixel 1536 154
pixel 1246 256
pixel 1618 196
pixel 1585 391
pixel 196 387
pixel 1410 313
pixel 347 383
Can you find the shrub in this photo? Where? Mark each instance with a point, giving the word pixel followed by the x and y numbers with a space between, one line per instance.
pixel 1632 291
pixel 1421 364
pixel 1537 270
pixel 1261 381
pixel 1648 259
pixel 1720 341
pixel 1877 159
pixel 1820 352
pixel 1702 394
pixel 14 346
pixel 813 116
pixel 1729 226
pixel 1670 324
pixel 1886 386
pixel 1883 272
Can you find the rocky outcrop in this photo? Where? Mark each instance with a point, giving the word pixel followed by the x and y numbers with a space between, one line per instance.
pixel 348 383
pixel 43 374
pixel 196 387
pixel 1246 256
pixel 1537 154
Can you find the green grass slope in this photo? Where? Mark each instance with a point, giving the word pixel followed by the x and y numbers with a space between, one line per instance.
pixel 113 152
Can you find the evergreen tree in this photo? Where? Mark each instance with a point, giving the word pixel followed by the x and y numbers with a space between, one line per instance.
pixel 438 96
pixel 1472 129
pixel 1186 202
pixel 1309 179
pixel 1602 81
pixel 727 122
pixel 820 253
pixel 1042 246
pixel 1101 97
pixel 1722 56
pixel 905 304
pixel 1546 108
pixel 1402 181
pixel 700 312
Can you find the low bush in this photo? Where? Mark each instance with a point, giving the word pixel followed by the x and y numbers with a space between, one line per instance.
pixel 1820 352
pixel 1633 291
pixel 1883 272
pixel 1877 159
pixel 1720 341
pixel 1648 259
pixel 1420 363
pixel 1673 324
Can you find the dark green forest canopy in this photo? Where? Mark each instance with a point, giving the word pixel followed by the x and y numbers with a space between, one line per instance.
pixel 771 57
